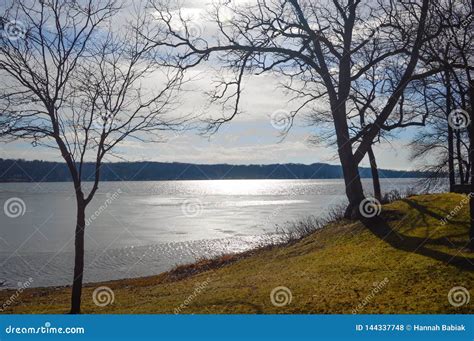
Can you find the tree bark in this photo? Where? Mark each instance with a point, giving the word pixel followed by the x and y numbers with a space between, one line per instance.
pixel 350 169
pixel 354 190
pixel 471 157
pixel 459 157
pixel 353 184
pixel 452 179
pixel 375 175
pixel 79 256
pixel 468 170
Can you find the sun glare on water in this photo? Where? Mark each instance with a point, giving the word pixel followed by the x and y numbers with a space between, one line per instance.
pixel 240 187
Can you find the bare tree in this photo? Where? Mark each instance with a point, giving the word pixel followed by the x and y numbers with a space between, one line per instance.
pixel 320 47
pixel 73 83
pixel 442 141
pixel 367 99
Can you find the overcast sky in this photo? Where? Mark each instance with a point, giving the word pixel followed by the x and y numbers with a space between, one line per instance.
pixel 249 139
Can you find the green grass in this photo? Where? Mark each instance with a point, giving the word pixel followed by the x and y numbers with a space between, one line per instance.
pixel 334 270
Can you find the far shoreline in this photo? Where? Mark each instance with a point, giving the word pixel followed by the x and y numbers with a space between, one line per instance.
pixel 230 179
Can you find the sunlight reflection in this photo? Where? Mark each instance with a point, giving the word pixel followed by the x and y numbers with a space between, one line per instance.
pixel 243 187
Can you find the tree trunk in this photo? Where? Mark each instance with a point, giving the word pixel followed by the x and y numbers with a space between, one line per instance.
pixel 471 194
pixel 471 157
pixel 354 190
pixel 452 176
pixel 459 157
pixel 350 169
pixel 79 256
pixel 375 175
pixel 452 179
pixel 468 170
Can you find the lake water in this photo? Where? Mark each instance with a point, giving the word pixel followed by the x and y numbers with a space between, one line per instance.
pixel 144 228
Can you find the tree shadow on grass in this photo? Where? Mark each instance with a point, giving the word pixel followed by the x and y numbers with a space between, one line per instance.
pixel 426 211
pixel 410 224
pixel 381 229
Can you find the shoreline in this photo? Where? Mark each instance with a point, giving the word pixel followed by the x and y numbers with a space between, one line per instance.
pixel 175 274
pixel 233 248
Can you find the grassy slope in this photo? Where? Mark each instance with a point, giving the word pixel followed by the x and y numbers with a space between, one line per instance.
pixel 330 271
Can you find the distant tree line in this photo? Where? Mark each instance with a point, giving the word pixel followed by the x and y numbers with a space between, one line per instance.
pixel 42 171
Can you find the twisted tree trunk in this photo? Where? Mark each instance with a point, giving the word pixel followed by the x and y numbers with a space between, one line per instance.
pixel 350 169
